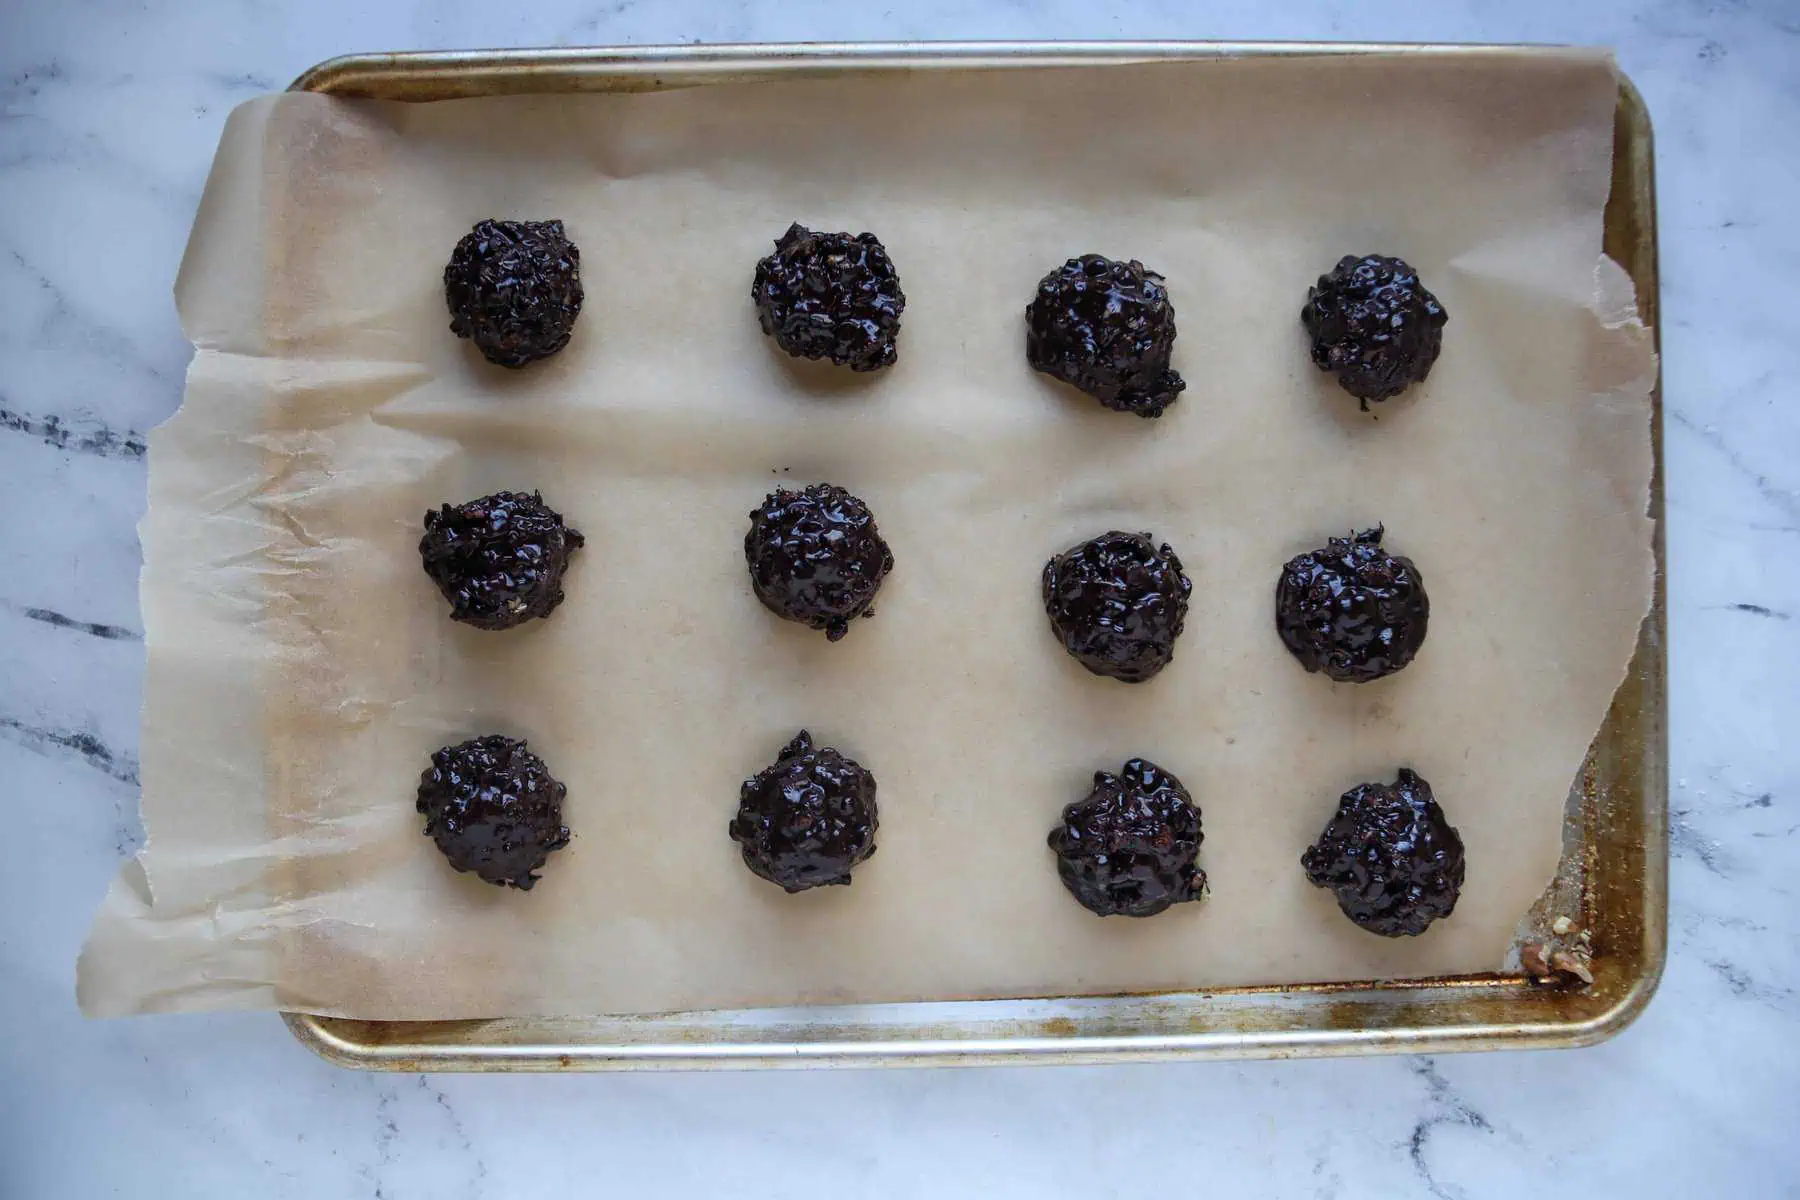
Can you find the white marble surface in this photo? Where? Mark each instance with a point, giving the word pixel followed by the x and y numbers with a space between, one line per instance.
pixel 110 114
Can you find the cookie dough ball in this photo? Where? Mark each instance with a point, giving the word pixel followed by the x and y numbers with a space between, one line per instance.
pixel 816 557
pixel 831 296
pixel 1352 610
pixel 1391 858
pixel 499 560
pixel 1117 603
pixel 1374 326
pixel 493 808
pixel 514 288
pixel 1107 328
pixel 808 818
pixel 1130 847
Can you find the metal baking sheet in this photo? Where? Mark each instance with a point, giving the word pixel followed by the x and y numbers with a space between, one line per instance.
pixel 1613 881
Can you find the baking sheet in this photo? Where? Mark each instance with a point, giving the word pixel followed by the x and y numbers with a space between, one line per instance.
pixel 289 710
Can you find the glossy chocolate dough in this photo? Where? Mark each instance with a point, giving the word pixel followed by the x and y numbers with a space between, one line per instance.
pixel 1117 603
pixel 1390 856
pixel 830 296
pixel 1352 610
pixel 514 287
pixel 493 808
pixel 808 818
pixel 816 557
pixel 1374 325
pixel 1107 328
pixel 499 560
pixel 1129 848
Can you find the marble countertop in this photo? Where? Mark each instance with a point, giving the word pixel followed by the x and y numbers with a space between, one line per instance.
pixel 111 113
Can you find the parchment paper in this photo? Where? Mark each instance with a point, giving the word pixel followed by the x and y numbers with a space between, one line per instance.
pixel 302 668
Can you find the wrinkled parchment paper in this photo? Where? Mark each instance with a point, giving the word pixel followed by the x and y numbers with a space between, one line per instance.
pixel 301 667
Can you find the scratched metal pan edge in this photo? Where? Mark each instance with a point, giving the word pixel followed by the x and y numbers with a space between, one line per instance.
pixel 1616 854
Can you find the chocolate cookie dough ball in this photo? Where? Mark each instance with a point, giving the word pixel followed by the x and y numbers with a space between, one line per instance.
pixel 1117 603
pixel 499 560
pixel 816 557
pixel 1107 328
pixel 1351 609
pixel 808 818
pixel 1389 855
pixel 1374 326
pixel 831 296
pixel 493 808
pixel 514 288
pixel 1130 847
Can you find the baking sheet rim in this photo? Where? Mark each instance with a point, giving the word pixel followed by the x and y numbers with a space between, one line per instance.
pixel 1256 1021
